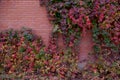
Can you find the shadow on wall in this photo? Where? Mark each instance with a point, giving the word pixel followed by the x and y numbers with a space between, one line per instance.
pixel 25 13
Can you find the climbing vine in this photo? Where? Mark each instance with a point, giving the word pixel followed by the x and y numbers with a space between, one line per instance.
pixel 59 15
pixel 100 16
pixel 23 54
pixel 71 18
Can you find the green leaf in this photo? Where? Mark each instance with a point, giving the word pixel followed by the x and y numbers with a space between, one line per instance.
pixel 40 55
pixel 96 48
pixel 68 20
pixel 28 37
pixel 57 15
pixel 22 49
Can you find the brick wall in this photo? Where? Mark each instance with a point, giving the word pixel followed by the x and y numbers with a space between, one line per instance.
pixel 25 13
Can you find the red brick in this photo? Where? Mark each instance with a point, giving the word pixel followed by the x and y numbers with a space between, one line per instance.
pixel 25 13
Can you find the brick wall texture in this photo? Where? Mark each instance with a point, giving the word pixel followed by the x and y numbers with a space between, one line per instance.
pixel 25 13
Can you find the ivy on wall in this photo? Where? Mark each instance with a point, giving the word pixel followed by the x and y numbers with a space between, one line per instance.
pixel 71 18
pixel 24 54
